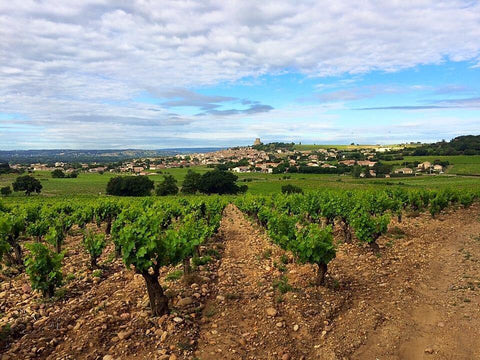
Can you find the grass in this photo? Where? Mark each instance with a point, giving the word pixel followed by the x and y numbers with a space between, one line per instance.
pixel 92 185
pixel 307 147
pixel 282 285
pixel 174 275
pixel 459 164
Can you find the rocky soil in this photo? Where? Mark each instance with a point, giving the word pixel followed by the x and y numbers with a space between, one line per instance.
pixel 419 298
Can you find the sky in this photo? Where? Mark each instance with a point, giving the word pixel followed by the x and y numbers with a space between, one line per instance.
pixel 99 74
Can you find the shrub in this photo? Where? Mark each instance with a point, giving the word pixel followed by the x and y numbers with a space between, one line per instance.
pixel 43 266
pixel 94 244
pixel 57 173
pixel 130 186
pixel 6 190
pixel 291 189
pixel 314 245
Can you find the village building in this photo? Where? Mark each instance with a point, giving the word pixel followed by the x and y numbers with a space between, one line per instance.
pixel 406 171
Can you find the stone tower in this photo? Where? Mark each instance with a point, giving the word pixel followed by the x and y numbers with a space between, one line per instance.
pixel 257 141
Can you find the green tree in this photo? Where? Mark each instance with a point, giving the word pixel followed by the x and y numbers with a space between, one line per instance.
pixel 168 186
pixel 191 182
pixel 218 182
pixel 28 184
pixel 356 171
pixel 43 266
pixel 130 186
pixel 58 173
pixel 6 190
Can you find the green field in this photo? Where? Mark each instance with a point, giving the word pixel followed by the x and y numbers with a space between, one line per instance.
pixel 459 164
pixel 306 147
pixel 95 184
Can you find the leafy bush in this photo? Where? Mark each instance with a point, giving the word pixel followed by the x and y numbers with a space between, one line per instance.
pixel 94 244
pixel 43 266
pixel 369 228
pixel 11 227
pixel 130 186
pixel 314 245
pixel 291 189
pixel 58 174
pixel 6 190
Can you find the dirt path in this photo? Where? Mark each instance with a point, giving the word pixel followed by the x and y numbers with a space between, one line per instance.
pixel 242 322
pixel 443 321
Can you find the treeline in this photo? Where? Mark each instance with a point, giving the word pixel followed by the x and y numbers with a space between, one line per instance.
pixel 6 169
pixel 462 145
pixel 271 147
pixel 212 182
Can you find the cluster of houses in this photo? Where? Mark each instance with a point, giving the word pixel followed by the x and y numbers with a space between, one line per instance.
pixel 247 159
pixel 424 167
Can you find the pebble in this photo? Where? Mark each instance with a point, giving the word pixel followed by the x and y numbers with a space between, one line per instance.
pixel 185 302
pixel 177 319
pixel 429 350
pixel 122 335
pixel 108 357
pixel 295 327
pixel 271 312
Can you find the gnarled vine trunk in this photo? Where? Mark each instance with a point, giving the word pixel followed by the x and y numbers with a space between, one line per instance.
pixel 16 257
pixel 158 300
pixel 347 233
pixel 108 230
pixel 187 269
pixel 322 270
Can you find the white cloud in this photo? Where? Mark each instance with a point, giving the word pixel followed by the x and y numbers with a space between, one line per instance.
pixel 70 64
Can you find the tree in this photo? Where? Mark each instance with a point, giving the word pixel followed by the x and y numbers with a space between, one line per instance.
pixel 28 184
pixel 130 186
pixel 43 266
pixel 6 190
pixel 4 168
pixel 168 186
pixel 357 170
pixel 191 182
pixel 58 173
pixel 218 182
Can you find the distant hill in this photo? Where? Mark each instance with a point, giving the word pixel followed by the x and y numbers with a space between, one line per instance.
pixel 46 156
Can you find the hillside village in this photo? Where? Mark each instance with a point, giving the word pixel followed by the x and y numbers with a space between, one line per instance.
pixel 259 158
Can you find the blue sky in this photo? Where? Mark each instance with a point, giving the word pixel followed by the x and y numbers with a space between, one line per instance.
pixel 140 74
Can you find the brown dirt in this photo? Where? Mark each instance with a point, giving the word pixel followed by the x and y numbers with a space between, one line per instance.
pixel 419 299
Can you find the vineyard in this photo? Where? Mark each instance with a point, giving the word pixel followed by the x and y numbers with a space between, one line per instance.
pixel 114 278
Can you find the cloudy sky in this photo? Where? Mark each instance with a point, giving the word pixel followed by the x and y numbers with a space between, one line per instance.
pixel 154 74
